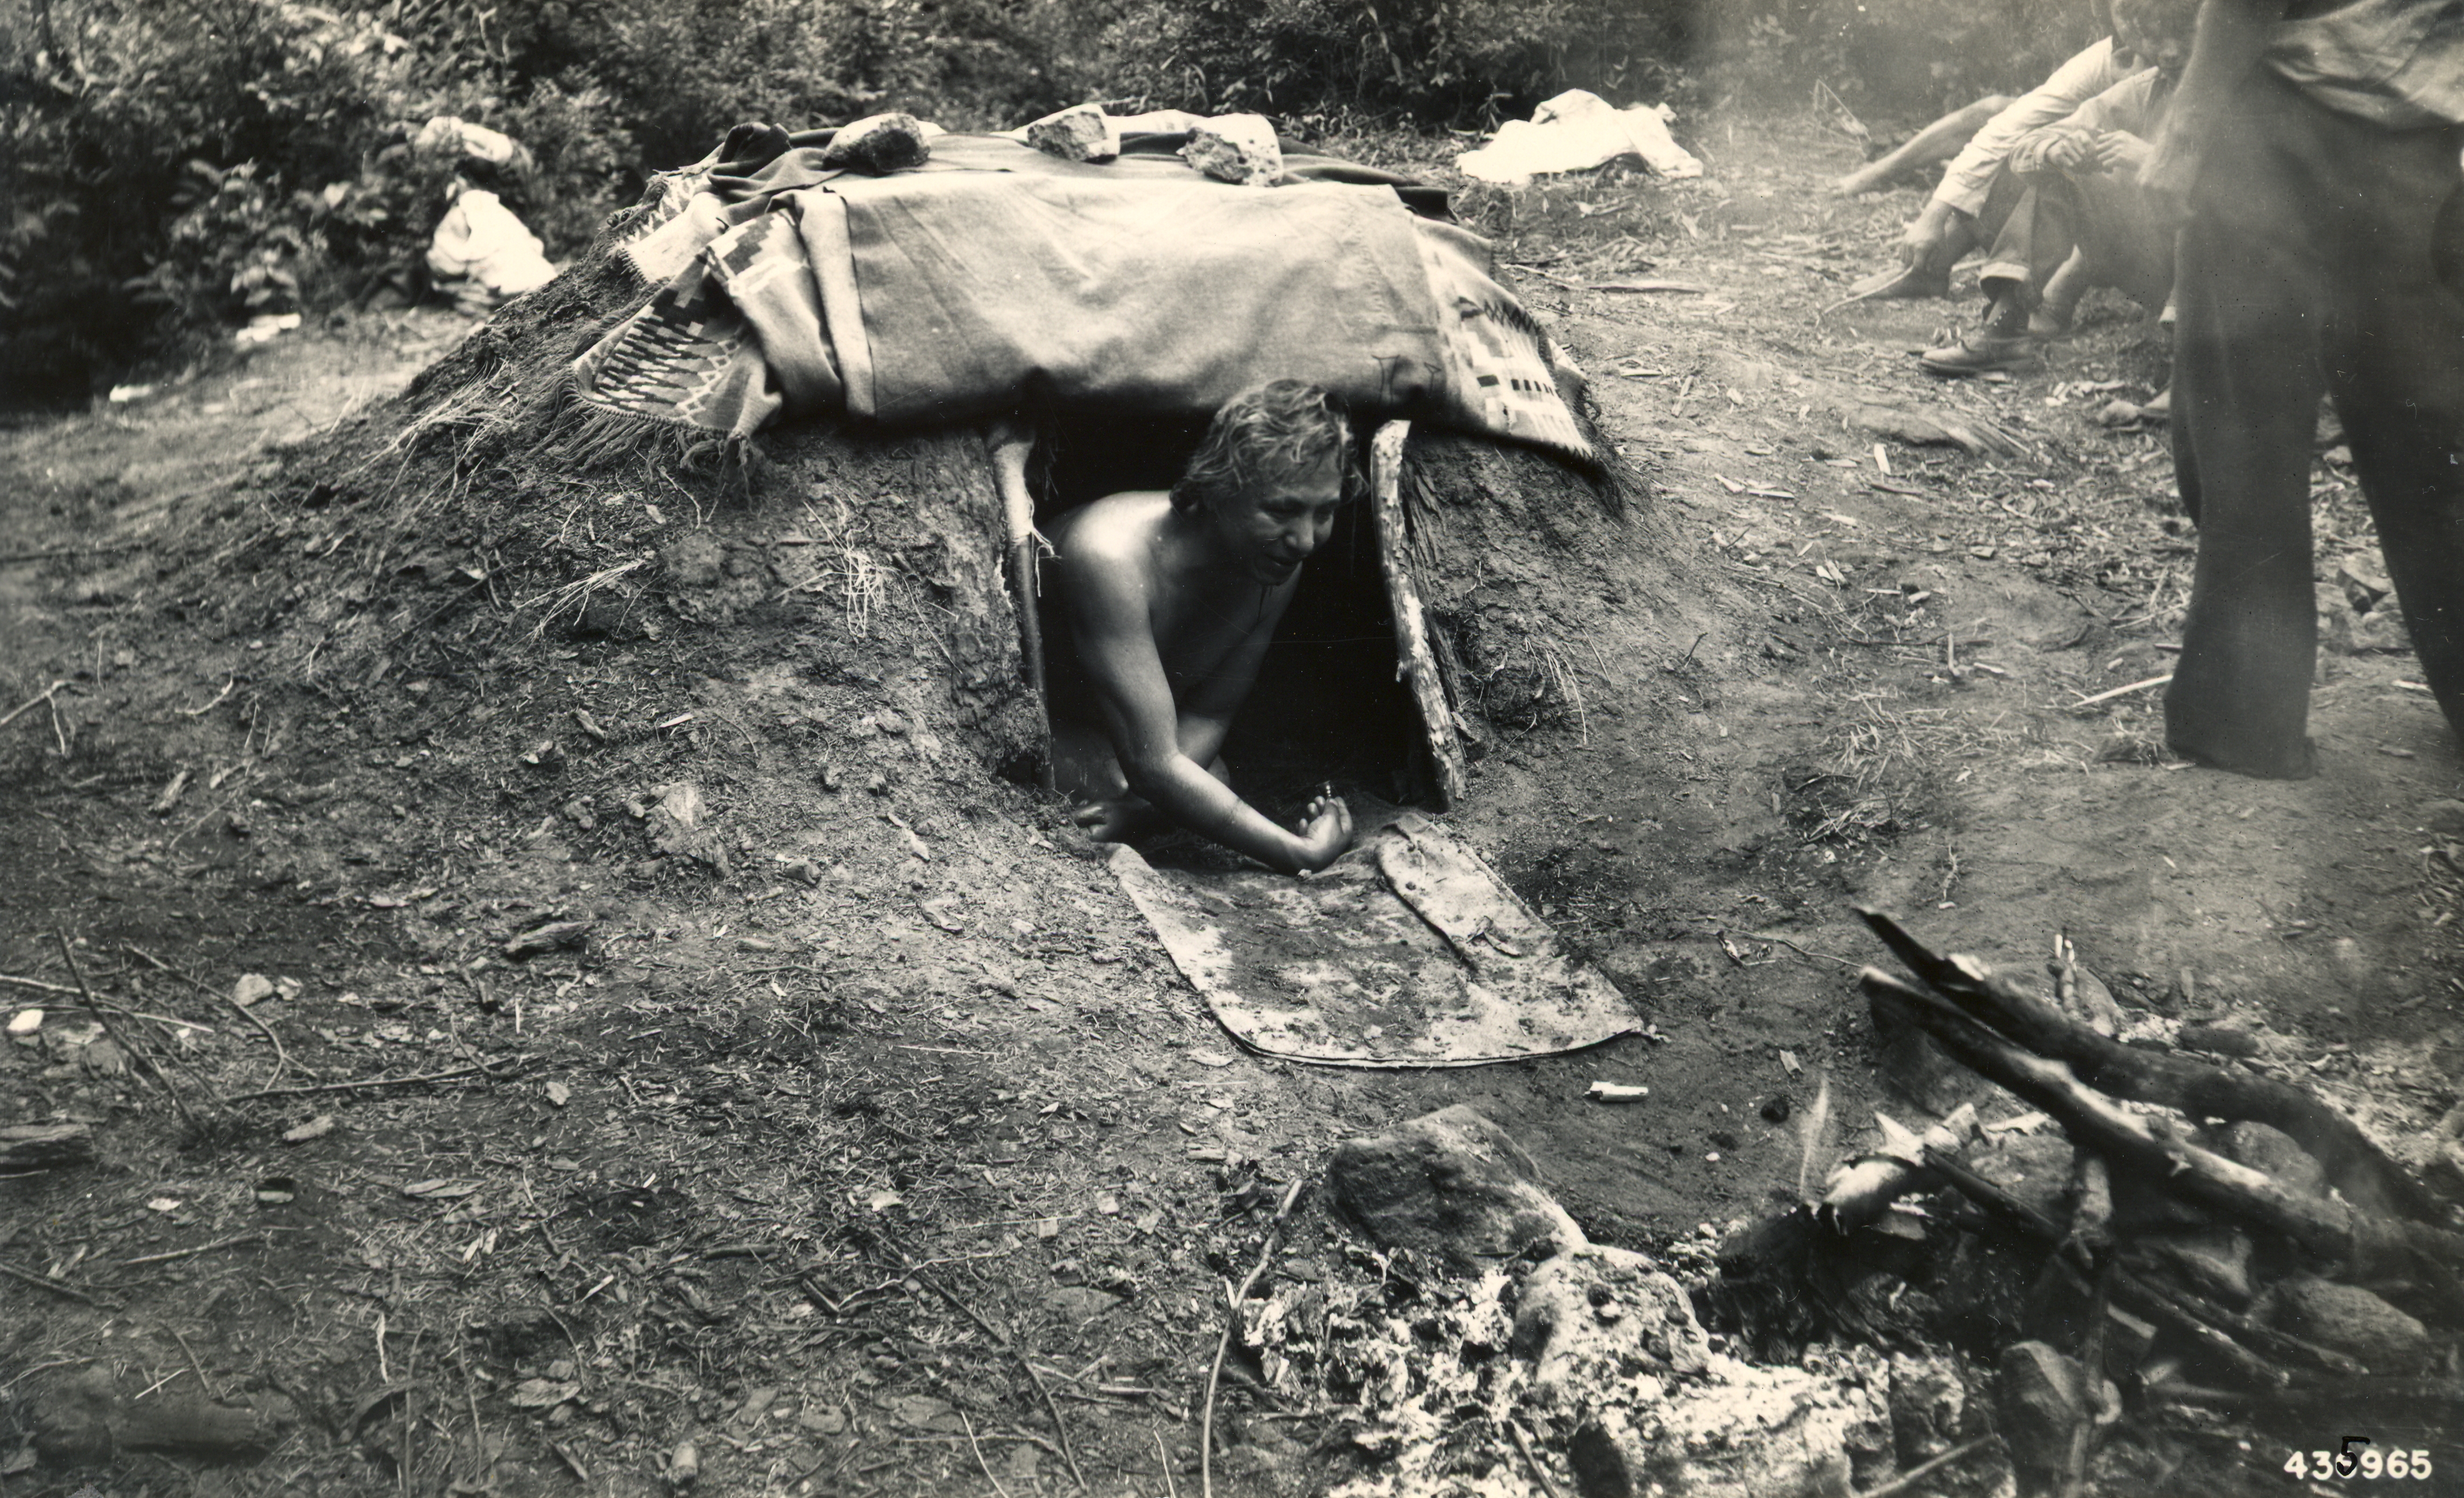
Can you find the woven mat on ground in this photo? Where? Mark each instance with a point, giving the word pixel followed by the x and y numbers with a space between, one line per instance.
pixel 1408 952
pixel 952 291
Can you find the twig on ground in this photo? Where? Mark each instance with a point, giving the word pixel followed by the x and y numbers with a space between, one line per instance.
pixel 46 1282
pixel 1223 1348
pixel 199 712
pixel 1163 1458
pixel 103 1014
pixel 969 1426
pixel 1925 1470
pixel 1051 1406
pixel 193 1363
pixel 459 1072
pixel 191 1254
pixel 43 696
pixel 1530 1459
pixel 2124 691
pixel 35 984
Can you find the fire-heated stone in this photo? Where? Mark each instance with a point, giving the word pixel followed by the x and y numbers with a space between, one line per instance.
pixel 1452 1185
pixel 2349 1320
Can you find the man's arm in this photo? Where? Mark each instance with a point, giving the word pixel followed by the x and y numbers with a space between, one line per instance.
pixel 2231 36
pixel 1117 649
pixel 1969 176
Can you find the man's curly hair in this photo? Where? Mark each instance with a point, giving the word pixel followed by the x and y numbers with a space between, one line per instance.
pixel 1284 425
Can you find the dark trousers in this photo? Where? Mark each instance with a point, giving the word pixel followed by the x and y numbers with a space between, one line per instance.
pixel 2323 255
pixel 2124 240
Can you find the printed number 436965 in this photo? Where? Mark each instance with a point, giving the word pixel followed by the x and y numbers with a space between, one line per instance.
pixel 2366 1463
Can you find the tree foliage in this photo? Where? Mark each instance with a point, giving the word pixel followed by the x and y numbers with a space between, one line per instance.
pixel 171 165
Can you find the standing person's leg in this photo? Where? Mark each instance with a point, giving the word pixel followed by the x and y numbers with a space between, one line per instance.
pixel 2394 357
pixel 2246 388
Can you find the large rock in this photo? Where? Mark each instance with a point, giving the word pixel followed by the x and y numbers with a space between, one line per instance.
pixel 1080 132
pixel 1744 1433
pixel 1929 1402
pixel 2274 1152
pixel 2349 1320
pixel 1235 148
pixel 1450 1185
pixel 1605 1327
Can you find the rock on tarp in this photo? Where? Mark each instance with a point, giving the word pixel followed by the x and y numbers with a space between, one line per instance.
pixel 1575 132
pixel 1407 951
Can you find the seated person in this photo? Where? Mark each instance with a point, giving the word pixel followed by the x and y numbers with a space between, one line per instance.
pixel 1162 606
pixel 2082 219
pixel 1967 209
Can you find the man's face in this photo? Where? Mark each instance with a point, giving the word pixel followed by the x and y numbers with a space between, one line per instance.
pixel 1276 522
pixel 2155 32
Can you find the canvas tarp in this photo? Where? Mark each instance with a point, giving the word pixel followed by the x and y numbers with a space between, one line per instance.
pixel 997 274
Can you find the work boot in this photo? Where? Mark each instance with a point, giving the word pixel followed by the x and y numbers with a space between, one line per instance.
pixel 2000 343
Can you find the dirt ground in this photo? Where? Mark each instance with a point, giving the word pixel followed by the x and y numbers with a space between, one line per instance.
pixel 878 1148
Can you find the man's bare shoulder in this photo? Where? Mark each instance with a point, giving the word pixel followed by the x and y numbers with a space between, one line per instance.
pixel 1118 529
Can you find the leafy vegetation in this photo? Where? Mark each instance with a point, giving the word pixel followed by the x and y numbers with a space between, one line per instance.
pixel 168 165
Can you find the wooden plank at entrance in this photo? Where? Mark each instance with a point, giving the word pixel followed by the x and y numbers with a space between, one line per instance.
pixel 1413 663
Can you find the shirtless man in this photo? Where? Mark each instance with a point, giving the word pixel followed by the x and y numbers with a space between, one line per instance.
pixel 1164 607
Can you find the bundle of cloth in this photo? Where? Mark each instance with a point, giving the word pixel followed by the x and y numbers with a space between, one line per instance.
pixel 911 276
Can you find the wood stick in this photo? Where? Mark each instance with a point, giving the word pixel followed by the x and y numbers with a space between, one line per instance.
pixel 1418 664
pixel 1232 1322
pixel 136 1056
pixel 1925 1470
pixel 29 1147
pixel 1530 1459
pixel 36 983
pixel 2366 1247
pixel 2092 1376
pixel 43 696
pixel 2092 1219
pixel 191 1254
pixel 46 1282
pixel 2362 1170
pixel 1051 1407
pixel 301 1091
pixel 2135 1295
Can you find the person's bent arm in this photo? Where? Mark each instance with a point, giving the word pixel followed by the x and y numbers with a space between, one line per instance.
pixel 1117 650
pixel 2231 37
pixel 1969 176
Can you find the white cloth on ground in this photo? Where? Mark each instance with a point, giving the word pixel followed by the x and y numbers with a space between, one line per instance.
pixel 1576 131
pixel 484 254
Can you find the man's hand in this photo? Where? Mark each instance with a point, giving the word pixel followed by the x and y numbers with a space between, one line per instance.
pixel 2121 151
pixel 1326 830
pixel 1926 236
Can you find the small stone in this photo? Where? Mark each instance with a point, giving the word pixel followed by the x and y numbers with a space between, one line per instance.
pixel 2273 1151
pixel 2349 1320
pixel 1080 132
pixel 1927 1398
pixel 878 143
pixel 2039 1399
pixel 1452 1184
pixel 1240 149
pixel 253 989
